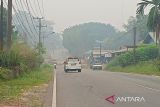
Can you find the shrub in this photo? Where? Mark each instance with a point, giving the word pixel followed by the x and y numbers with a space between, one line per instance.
pixel 157 63
pixel 142 54
pixel 21 58
pixel 9 59
pixel 5 73
pixel 146 53
pixel 30 56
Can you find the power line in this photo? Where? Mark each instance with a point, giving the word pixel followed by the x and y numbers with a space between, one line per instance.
pixel 29 2
pixel 31 17
pixel 18 5
pixel 39 8
pixel 24 29
pixel 40 28
pixel 35 4
pixel 23 26
pixel 27 17
pixel 43 8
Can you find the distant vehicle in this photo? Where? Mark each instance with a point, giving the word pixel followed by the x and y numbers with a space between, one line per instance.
pixel 72 64
pixel 54 62
pixel 95 66
pixel 55 66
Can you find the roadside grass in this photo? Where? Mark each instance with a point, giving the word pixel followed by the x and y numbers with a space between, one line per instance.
pixel 12 89
pixel 147 68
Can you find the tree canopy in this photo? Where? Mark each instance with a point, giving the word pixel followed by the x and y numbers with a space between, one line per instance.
pixel 81 38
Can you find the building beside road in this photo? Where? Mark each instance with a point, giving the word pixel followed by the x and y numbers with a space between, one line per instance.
pixel 105 56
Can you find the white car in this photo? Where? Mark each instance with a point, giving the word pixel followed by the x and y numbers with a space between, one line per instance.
pixel 72 64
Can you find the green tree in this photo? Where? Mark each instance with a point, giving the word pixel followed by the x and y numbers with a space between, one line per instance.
pixel 82 38
pixel 140 22
pixel 153 22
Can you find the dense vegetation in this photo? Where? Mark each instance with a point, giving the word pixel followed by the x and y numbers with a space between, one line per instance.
pixel 82 38
pixel 12 89
pixel 145 61
pixel 147 68
pixel 21 58
pixel 21 66
pixel 153 22
pixel 143 53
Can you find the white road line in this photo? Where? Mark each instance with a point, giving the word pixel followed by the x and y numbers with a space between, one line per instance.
pixel 54 91
pixel 149 88
pixel 143 86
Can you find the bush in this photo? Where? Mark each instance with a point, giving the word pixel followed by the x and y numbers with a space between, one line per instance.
pixel 5 73
pixel 157 63
pixel 29 56
pixel 21 58
pixel 9 59
pixel 142 54
pixel 147 53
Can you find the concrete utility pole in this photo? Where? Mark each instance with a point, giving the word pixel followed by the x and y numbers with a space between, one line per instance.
pixel 1 27
pixel 9 25
pixel 40 28
pixel 100 50
pixel 134 43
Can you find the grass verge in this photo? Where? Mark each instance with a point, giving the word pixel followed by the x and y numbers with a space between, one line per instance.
pixel 147 68
pixel 12 89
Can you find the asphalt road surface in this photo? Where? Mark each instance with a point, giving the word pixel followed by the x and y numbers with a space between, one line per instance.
pixel 90 89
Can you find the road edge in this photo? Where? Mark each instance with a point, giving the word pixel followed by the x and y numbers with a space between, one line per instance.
pixel 54 91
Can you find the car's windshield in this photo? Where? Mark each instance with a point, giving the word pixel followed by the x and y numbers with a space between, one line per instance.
pixel 73 59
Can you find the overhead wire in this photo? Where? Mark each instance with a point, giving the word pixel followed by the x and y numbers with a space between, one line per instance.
pixel 43 8
pixel 27 7
pixel 39 8
pixel 34 26
pixel 33 10
pixel 24 29
pixel 23 8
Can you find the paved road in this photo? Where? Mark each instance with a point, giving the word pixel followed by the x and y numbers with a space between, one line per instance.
pixel 90 88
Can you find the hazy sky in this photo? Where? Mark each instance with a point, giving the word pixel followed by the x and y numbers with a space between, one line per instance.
pixel 66 13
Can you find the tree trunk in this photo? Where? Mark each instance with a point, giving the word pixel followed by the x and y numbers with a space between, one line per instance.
pixel 158 39
pixel 157 35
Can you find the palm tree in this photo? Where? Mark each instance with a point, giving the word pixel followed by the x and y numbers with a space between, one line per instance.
pixel 153 22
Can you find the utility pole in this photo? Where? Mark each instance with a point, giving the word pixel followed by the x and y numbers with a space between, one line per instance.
pixel 134 43
pixel 25 37
pixel 1 27
pixel 100 51
pixel 40 28
pixel 9 25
